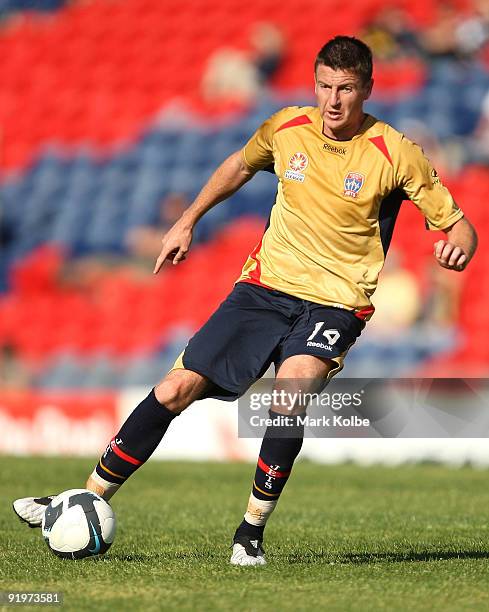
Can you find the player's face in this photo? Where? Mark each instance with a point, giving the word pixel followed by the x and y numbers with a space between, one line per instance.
pixel 340 95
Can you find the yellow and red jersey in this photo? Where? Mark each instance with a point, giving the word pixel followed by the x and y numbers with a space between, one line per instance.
pixel 336 205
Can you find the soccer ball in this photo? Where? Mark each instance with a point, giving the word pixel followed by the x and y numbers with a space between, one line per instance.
pixel 77 524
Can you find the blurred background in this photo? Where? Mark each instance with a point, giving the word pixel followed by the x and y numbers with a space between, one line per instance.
pixel 113 113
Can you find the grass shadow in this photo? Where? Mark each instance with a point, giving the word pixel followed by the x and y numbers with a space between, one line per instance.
pixel 423 556
pixel 163 557
pixel 359 558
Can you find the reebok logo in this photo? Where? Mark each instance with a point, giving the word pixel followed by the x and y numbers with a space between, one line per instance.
pixel 320 345
pixel 334 149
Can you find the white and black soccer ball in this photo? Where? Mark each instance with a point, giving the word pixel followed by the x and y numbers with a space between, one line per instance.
pixel 78 524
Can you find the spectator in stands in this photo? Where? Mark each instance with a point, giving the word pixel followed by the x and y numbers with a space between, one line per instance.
pixel 267 50
pixel 230 76
pixel 456 36
pixel 144 243
pixel 446 157
pixel 14 374
pixel 241 76
pixel 6 240
pixel 391 35
pixel 478 146
pixel 442 303
pixel 439 40
pixel 397 300
pixel 472 32
pixel 419 321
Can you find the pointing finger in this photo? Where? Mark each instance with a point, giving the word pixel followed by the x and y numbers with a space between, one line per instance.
pixel 164 254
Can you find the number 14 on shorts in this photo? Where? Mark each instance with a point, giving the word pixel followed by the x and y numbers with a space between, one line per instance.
pixel 331 335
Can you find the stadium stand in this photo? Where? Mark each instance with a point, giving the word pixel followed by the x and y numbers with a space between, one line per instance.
pixel 9 8
pixel 102 118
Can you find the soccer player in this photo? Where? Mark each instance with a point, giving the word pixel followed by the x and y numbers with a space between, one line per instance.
pixel 303 295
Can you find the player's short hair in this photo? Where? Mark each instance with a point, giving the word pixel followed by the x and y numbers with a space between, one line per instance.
pixel 346 53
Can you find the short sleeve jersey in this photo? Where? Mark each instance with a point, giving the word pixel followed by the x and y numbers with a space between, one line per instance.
pixel 336 205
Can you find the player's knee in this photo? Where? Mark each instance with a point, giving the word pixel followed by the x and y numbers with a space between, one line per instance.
pixel 177 390
pixel 172 393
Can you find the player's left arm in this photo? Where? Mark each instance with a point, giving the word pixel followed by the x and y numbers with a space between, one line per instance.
pixel 457 250
pixel 420 181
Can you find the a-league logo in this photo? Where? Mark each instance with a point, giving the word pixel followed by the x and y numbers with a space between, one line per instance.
pixel 298 162
pixel 353 183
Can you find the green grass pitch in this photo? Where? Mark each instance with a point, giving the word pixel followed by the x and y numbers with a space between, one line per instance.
pixel 342 538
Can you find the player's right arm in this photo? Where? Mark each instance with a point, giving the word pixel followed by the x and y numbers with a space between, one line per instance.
pixel 232 174
pixel 227 179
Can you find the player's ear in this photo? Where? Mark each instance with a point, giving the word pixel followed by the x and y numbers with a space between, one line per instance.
pixel 368 89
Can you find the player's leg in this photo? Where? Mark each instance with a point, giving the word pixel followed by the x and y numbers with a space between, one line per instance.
pixel 134 443
pixel 281 444
pixel 310 354
pixel 232 350
pixel 144 429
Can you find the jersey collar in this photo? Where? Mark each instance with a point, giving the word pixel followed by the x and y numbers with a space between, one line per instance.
pixel 317 120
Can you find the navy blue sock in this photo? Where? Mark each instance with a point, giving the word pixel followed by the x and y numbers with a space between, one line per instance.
pixel 136 440
pixel 280 447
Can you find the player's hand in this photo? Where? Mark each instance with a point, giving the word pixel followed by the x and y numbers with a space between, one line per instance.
pixel 450 256
pixel 176 243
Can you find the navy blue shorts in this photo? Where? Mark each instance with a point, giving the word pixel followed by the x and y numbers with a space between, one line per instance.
pixel 255 327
